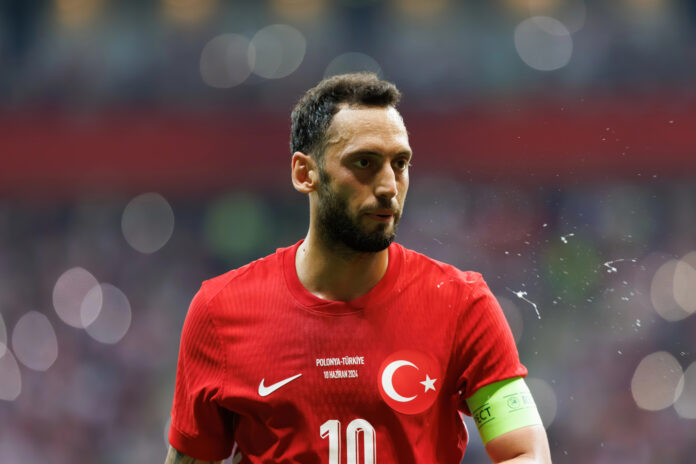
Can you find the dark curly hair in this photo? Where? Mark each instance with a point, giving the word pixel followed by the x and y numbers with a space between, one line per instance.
pixel 312 115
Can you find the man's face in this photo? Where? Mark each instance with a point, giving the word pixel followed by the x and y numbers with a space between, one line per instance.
pixel 364 178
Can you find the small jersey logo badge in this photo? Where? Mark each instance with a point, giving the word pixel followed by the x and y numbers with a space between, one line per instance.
pixel 265 391
pixel 409 381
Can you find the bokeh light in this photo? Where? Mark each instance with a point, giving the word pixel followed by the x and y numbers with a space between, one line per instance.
pixel 352 62
pixel 686 403
pixel 91 305
pixel 545 399
pixel 108 322
pixel 644 272
pixel 34 341
pixel 147 222
pixel 226 61
pixel 10 377
pixel 69 292
pixel 188 12
pixel 685 283
pixel 662 292
pixel 513 316
pixel 657 381
pixel 543 43
pixel 279 51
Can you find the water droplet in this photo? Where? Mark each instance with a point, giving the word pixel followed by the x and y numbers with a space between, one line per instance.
pixel 564 238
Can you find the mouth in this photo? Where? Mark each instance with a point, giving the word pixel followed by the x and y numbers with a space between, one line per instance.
pixel 381 216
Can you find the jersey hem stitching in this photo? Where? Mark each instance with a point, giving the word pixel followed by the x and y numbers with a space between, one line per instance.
pixel 186 436
pixel 181 432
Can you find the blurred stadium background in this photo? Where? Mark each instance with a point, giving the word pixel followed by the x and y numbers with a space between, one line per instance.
pixel 144 148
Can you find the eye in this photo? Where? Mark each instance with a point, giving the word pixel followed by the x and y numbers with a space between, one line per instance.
pixel 402 164
pixel 362 162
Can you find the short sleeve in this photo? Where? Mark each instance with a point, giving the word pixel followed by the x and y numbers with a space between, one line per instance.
pixel 486 347
pixel 200 427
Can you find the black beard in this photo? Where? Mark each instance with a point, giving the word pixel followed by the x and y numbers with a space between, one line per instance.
pixel 336 226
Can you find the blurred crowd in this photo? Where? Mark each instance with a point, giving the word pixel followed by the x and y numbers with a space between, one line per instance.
pixel 585 257
pixel 94 53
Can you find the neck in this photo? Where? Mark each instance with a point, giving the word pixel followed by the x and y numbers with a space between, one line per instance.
pixel 336 272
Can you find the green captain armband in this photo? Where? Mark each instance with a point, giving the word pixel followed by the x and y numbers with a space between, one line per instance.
pixel 501 407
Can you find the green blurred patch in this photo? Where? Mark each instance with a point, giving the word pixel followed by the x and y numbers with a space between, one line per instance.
pixel 571 269
pixel 236 226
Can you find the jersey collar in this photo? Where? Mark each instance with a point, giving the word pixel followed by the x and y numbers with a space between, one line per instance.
pixel 376 294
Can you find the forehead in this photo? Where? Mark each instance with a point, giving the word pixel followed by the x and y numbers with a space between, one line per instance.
pixel 363 127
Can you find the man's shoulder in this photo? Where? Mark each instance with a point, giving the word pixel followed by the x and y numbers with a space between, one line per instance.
pixel 251 275
pixel 420 264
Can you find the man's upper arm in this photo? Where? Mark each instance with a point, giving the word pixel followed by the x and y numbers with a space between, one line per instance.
pixel 200 425
pixel 528 444
pixel 509 423
pixel 177 457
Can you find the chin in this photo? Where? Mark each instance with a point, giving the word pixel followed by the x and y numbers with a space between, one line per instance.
pixel 371 242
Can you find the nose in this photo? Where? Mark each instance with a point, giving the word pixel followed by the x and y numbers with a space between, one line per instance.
pixel 386 186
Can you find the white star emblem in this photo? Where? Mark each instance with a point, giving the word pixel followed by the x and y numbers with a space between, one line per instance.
pixel 429 383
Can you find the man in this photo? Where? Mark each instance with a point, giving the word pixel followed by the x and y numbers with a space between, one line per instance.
pixel 347 347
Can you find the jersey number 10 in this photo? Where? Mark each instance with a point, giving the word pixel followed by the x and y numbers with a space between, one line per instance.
pixel 332 429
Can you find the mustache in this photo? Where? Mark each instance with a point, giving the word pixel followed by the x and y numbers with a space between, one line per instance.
pixel 383 203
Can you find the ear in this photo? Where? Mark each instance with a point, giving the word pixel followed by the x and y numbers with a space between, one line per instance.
pixel 304 173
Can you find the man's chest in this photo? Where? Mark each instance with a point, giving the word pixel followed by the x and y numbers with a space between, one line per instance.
pixel 329 366
pixel 313 380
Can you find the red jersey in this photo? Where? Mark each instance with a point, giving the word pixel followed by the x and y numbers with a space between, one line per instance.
pixel 291 377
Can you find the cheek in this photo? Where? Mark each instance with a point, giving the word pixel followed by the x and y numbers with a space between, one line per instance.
pixel 404 188
pixel 354 192
pixel 350 199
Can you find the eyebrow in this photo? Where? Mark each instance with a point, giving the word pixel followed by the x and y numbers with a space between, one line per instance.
pixel 406 153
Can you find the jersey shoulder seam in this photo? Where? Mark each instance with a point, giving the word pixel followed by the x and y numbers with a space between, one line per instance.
pixel 230 276
pixel 446 268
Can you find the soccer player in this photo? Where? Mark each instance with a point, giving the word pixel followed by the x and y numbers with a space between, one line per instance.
pixel 346 347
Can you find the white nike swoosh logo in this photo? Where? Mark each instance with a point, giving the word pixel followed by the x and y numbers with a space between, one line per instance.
pixel 265 391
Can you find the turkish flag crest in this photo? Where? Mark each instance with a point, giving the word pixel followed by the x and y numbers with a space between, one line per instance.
pixel 409 381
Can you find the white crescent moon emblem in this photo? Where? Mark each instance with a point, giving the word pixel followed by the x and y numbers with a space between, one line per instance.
pixel 387 384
